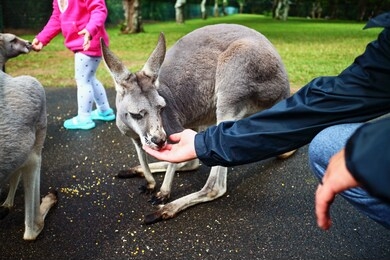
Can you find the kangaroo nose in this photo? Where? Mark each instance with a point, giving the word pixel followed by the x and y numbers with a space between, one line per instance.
pixel 159 142
pixel 29 45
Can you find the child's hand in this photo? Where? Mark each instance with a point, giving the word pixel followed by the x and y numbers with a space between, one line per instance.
pixel 87 39
pixel 36 45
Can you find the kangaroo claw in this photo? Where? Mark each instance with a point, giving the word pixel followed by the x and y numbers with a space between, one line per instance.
pixel 155 200
pixel 153 218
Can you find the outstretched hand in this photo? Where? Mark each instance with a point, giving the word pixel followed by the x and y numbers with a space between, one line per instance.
pixel 87 39
pixel 182 150
pixel 36 45
pixel 337 178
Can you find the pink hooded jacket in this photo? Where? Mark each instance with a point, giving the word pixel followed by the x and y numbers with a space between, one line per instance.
pixel 76 16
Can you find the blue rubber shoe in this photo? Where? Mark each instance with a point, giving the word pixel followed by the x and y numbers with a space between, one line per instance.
pixel 77 123
pixel 107 115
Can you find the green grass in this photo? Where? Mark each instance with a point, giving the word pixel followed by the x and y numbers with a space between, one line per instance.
pixel 308 48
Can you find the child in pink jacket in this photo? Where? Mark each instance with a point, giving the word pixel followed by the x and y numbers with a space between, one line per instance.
pixel 82 25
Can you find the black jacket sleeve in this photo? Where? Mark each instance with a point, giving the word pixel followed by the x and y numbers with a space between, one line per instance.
pixel 360 93
pixel 367 156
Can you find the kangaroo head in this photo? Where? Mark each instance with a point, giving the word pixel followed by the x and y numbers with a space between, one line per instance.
pixel 138 102
pixel 11 46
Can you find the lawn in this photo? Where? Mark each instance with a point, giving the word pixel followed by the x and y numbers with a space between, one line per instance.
pixel 309 48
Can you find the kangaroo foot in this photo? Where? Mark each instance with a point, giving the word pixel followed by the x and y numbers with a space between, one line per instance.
pixel 153 218
pixel 130 173
pixel 164 212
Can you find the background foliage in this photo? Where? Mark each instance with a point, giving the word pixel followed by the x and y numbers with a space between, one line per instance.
pixel 309 48
pixel 33 14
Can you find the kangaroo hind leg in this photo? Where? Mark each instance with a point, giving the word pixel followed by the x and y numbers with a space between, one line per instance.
pixel 35 212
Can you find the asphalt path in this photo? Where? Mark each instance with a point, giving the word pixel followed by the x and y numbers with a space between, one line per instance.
pixel 267 212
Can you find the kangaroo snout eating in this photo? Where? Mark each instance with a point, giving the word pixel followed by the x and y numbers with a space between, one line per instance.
pixel 160 143
pixel 156 142
pixel 29 46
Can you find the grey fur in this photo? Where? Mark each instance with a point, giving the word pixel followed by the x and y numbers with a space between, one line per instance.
pixel 213 74
pixel 23 126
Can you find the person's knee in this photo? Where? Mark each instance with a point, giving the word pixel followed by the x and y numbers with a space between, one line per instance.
pixel 317 161
pixel 84 79
pixel 327 143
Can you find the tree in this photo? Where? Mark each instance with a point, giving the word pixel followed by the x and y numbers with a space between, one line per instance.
pixel 216 7
pixel 179 10
pixel 1 17
pixel 241 4
pixel 203 9
pixel 316 10
pixel 280 9
pixel 133 18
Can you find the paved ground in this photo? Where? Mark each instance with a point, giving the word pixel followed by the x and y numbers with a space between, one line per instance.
pixel 267 212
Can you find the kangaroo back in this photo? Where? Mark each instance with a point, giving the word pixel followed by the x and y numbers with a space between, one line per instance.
pixel 222 65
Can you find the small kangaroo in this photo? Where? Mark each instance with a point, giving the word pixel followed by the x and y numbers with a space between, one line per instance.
pixel 213 74
pixel 23 126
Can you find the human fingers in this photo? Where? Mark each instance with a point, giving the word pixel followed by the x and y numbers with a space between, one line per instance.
pixel 182 150
pixel 324 199
pixel 36 45
pixel 87 38
pixel 162 154
pixel 175 138
pixel 35 41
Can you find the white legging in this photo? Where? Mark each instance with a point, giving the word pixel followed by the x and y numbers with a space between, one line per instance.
pixel 89 89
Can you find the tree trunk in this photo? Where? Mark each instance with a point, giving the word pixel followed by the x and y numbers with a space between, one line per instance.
pixel 224 4
pixel 277 9
pixel 316 10
pixel 286 8
pixel 274 6
pixel 179 10
pixel 1 18
pixel 333 8
pixel 241 5
pixel 362 8
pixel 216 8
pixel 203 9
pixel 133 18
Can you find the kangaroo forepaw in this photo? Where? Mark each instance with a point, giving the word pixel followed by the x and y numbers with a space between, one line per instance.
pixel 158 200
pixel 4 211
pixel 145 190
pixel 53 193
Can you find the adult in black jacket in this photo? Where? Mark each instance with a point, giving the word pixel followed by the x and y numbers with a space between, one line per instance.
pixel 360 153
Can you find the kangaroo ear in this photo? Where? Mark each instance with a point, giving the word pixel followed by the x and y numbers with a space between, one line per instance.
pixel 153 64
pixel 117 69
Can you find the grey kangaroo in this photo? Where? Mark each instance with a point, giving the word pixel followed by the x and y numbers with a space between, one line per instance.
pixel 22 134
pixel 213 74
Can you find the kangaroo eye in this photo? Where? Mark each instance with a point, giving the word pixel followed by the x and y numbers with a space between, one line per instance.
pixel 136 116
